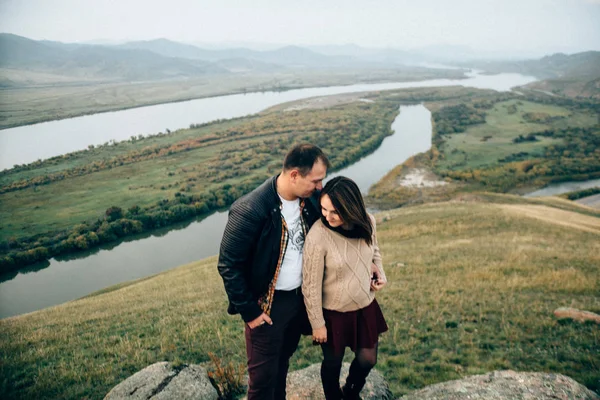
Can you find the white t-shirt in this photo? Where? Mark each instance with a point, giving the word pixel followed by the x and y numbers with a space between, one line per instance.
pixel 290 274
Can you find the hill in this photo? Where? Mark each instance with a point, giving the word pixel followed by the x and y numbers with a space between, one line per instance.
pixel 26 62
pixel 85 62
pixel 290 56
pixel 472 287
pixel 575 75
pixel 585 64
pixel 169 48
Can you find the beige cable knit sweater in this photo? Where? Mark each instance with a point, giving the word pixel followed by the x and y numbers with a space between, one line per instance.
pixel 336 272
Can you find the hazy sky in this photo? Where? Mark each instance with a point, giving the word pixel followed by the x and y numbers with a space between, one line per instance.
pixel 506 25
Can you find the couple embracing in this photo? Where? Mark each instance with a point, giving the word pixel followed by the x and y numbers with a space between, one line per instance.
pixel 299 258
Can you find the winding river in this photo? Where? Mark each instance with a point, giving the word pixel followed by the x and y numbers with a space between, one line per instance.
pixel 67 278
pixel 60 137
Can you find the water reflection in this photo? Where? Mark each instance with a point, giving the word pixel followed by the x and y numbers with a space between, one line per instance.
pixel 76 275
pixel 7 276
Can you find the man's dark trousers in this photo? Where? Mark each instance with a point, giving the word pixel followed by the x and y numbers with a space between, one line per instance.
pixel 269 347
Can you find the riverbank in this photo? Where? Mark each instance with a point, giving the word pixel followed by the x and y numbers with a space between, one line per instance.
pixel 501 144
pixel 590 201
pixel 173 181
pixel 472 287
pixel 84 199
pixel 587 197
pixel 34 105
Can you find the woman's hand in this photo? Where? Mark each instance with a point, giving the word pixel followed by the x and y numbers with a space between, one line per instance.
pixel 377 285
pixel 378 281
pixel 319 335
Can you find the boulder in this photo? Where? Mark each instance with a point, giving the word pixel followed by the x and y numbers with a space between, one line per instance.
pixel 306 384
pixel 506 385
pixel 577 315
pixel 162 381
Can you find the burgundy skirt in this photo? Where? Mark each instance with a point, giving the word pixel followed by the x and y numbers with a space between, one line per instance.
pixel 358 329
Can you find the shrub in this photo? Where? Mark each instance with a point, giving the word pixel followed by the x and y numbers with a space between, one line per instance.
pixel 228 379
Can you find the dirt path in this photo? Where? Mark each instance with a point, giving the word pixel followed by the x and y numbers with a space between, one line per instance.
pixel 555 216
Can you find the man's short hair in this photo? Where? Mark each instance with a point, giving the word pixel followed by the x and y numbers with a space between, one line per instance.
pixel 303 156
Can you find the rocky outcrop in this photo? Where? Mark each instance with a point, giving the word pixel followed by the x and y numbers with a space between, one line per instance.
pixel 163 381
pixel 577 315
pixel 506 385
pixel 306 384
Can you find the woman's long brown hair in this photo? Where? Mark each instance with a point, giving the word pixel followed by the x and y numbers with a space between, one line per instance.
pixel 348 202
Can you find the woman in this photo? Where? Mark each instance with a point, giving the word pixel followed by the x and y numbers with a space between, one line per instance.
pixel 342 270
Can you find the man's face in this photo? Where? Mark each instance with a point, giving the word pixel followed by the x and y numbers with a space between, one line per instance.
pixel 304 186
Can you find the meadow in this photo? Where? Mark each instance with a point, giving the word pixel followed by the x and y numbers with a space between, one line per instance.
pixel 59 205
pixel 484 144
pixel 472 287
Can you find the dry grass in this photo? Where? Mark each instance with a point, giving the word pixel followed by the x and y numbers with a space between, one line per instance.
pixel 554 216
pixel 476 293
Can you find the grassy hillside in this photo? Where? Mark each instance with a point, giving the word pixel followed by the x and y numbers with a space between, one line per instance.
pixel 575 75
pixel 576 87
pixel 472 287
pixel 559 65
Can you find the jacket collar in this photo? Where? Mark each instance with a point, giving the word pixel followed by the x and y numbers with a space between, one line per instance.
pixel 274 189
pixel 313 200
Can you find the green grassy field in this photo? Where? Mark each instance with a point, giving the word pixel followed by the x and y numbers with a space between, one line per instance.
pixel 472 287
pixel 82 198
pixel 485 144
pixel 241 148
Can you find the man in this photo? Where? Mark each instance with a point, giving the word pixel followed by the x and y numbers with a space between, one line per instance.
pixel 260 262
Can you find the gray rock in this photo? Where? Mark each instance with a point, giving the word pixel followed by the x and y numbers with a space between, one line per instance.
pixel 306 384
pixel 161 381
pixel 577 315
pixel 506 385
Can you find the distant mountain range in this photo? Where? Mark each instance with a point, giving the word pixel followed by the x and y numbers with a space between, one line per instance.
pixel 556 66
pixel 23 60
pixel 96 62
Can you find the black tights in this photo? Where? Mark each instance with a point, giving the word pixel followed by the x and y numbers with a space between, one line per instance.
pixel 364 361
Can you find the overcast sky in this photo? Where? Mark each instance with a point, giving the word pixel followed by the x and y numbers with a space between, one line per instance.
pixel 505 25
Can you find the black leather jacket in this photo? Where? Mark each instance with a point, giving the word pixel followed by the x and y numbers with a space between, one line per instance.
pixel 251 246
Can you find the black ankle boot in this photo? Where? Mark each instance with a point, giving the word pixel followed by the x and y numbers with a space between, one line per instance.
pixel 357 377
pixel 351 391
pixel 333 393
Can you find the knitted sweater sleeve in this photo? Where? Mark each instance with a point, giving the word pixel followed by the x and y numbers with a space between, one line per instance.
pixel 313 266
pixel 377 260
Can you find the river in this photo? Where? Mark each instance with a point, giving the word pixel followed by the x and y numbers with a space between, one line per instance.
pixel 67 278
pixel 564 187
pixel 60 137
